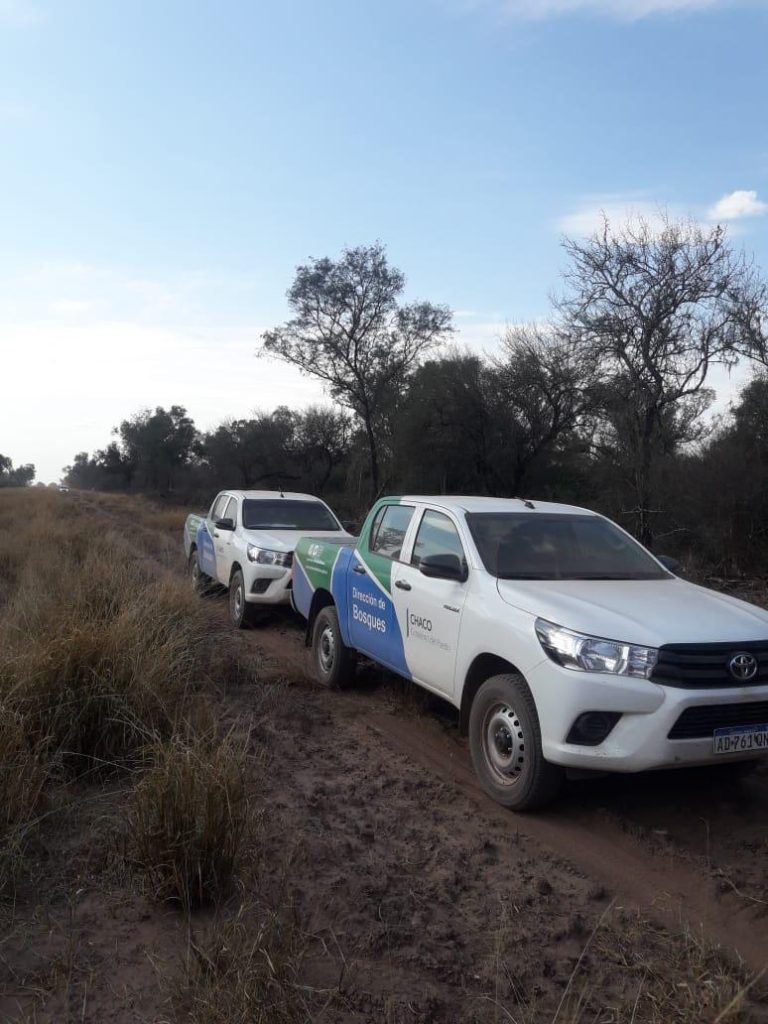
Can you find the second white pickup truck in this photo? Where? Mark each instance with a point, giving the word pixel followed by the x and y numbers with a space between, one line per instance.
pixel 246 543
pixel 563 642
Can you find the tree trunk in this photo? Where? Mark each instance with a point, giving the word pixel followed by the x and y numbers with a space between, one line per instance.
pixel 373 455
pixel 643 481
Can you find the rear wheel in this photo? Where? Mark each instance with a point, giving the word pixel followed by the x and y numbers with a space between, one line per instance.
pixel 335 663
pixel 505 743
pixel 240 612
pixel 201 584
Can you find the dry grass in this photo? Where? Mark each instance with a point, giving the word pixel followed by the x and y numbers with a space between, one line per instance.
pixel 22 777
pixel 99 656
pixel 190 819
pixel 245 970
pixel 104 657
pixel 629 971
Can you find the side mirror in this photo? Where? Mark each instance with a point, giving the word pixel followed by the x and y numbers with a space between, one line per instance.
pixel 351 526
pixel 443 567
pixel 671 564
pixel 225 524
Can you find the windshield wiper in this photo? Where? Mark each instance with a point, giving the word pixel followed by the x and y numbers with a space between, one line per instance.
pixel 524 576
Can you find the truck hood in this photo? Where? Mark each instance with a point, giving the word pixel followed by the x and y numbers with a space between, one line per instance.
pixel 286 540
pixel 647 612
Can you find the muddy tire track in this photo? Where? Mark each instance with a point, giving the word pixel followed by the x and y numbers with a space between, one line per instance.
pixel 588 827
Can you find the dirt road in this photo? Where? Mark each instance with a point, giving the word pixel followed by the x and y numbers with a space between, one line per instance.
pixel 685 846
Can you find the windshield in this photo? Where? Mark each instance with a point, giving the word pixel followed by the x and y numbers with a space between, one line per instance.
pixel 542 546
pixel 286 514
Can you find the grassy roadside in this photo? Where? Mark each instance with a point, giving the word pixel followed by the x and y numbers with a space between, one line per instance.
pixel 113 680
pixel 166 856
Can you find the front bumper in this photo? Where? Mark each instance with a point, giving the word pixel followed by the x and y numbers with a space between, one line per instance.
pixel 640 739
pixel 268 584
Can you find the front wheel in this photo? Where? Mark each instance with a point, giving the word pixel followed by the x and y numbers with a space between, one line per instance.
pixel 335 663
pixel 240 612
pixel 505 743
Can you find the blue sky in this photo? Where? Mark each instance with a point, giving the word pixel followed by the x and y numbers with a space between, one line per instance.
pixel 165 165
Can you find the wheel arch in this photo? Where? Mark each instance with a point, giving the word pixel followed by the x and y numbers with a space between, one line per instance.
pixel 483 667
pixel 320 599
pixel 236 567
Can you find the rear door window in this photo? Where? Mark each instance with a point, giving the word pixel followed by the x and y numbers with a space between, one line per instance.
pixel 388 530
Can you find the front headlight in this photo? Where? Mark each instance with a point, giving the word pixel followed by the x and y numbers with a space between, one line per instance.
pixel 593 654
pixel 266 557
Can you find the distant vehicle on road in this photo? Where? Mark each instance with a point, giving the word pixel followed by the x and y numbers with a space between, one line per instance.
pixel 246 543
pixel 563 642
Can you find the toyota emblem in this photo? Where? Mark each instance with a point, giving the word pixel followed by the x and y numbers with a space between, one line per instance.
pixel 743 666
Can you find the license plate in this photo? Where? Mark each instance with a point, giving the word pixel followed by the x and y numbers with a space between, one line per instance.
pixel 741 739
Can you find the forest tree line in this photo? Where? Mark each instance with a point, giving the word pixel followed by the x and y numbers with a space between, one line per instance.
pixel 607 404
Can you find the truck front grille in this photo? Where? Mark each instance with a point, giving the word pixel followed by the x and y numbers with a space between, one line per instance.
pixel 700 722
pixel 705 666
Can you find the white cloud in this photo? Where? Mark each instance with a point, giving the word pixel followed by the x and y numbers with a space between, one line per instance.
pixel 72 382
pixel 623 10
pixel 84 347
pixel 738 204
pixel 588 217
pixel 70 306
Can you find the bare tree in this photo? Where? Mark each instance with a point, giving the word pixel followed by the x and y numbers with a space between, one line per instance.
pixel 350 332
pixel 547 386
pixel 655 309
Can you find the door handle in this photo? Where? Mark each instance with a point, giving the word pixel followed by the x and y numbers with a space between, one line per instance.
pixel 359 569
pixel 402 585
pixel 215 534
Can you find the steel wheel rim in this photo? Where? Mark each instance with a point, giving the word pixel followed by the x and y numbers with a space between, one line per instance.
pixel 237 602
pixel 504 744
pixel 326 649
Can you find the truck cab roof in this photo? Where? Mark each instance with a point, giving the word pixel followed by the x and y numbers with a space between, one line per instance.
pixel 469 503
pixel 255 495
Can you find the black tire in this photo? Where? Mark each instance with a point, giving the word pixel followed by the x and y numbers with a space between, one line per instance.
pixel 240 612
pixel 505 743
pixel 201 584
pixel 335 664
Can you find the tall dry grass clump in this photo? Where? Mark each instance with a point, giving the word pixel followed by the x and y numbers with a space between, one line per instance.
pixel 99 655
pixel 190 819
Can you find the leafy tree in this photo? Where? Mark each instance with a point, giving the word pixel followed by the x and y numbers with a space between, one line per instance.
pixel 249 452
pixel 158 444
pixel 18 476
pixel 443 437
pixel 350 331
pixel 654 310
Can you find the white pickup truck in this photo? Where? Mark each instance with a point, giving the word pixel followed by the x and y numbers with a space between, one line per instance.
pixel 246 543
pixel 562 641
